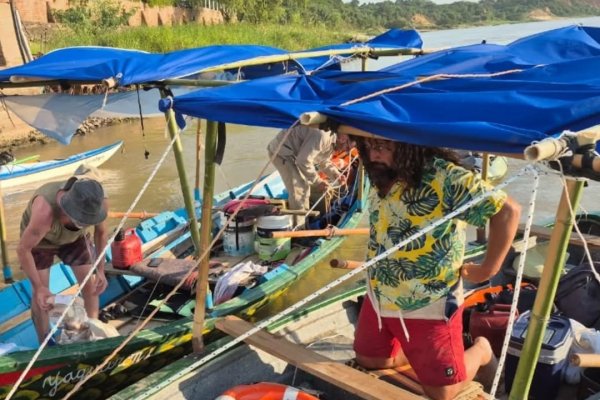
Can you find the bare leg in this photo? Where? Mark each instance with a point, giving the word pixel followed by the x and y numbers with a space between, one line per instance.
pixel 90 300
pixel 382 363
pixel 39 316
pixel 477 356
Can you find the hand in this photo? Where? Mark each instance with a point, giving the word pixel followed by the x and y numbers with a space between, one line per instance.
pixel 41 296
pixel 342 179
pixel 100 283
pixel 474 273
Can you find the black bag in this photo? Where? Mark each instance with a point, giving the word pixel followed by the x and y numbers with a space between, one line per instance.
pixel 578 295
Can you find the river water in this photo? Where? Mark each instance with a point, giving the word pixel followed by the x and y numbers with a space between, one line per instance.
pixel 127 171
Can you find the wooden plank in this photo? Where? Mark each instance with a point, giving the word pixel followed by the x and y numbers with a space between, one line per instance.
pixel 543 232
pixel 347 378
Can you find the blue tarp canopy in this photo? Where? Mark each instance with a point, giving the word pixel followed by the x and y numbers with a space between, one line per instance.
pixel 94 64
pixel 558 90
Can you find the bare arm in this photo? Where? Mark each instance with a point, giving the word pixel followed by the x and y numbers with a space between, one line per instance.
pixel 39 225
pixel 100 235
pixel 503 227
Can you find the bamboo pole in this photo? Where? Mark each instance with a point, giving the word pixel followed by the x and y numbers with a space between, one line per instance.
pixel 6 270
pixel 544 299
pixel 485 167
pixel 585 360
pixel 344 264
pixel 205 234
pixel 188 198
pixel 133 214
pixel 197 195
pixel 319 232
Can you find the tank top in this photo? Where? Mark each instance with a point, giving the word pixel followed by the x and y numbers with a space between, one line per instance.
pixel 58 235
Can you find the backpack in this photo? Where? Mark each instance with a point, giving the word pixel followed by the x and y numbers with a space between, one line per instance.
pixel 578 295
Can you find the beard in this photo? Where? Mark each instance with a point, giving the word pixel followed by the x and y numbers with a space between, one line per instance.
pixel 382 176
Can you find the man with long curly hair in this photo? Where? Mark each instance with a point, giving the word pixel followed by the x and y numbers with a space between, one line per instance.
pixel 413 311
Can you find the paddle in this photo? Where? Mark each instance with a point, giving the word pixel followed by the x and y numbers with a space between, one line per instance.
pixel 134 214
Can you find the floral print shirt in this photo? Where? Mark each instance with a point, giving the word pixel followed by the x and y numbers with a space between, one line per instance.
pixel 425 269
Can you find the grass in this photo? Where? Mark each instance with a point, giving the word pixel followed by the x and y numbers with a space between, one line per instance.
pixel 164 39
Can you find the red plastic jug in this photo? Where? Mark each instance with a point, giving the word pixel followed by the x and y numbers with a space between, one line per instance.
pixel 126 249
pixel 491 324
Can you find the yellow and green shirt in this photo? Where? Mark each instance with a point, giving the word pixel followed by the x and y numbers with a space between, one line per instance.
pixel 427 268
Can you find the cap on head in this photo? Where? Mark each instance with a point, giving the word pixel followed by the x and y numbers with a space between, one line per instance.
pixel 83 201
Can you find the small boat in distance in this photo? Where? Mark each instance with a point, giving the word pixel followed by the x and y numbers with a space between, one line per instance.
pixel 12 175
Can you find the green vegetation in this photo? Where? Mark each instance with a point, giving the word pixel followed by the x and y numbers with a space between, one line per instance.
pixel 294 24
pixel 163 39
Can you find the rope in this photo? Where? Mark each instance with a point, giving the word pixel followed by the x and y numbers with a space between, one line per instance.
pixel 428 79
pixel 338 281
pixel 88 277
pixel 517 285
pixel 183 279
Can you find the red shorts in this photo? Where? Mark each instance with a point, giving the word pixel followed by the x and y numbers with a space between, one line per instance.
pixel 435 349
pixel 72 254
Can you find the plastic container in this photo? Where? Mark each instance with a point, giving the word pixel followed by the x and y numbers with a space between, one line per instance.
pixel 238 238
pixel 126 249
pixel 553 356
pixel 270 249
pixel 490 323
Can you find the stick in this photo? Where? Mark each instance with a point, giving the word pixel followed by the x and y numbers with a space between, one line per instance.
pixel 319 232
pixel 585 360
pixel 345 264
pixel 138 214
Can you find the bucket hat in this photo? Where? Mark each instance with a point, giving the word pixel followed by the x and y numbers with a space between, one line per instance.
pixel 83 201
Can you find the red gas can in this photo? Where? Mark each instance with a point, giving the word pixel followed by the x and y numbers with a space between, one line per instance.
pixel 126 249
pixel 491 323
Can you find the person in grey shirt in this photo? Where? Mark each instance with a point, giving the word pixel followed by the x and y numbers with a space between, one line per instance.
pixel 303 154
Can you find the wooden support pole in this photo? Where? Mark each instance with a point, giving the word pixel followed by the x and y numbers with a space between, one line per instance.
pixel 585 360
pixel 544 300
pixel 320 232
pixel 485 167
pixel 344 264
pixel 188 197
pixel 6 270
pixel 210 149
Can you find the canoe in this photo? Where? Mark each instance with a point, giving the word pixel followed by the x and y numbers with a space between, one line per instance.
pixel 168 336
pixel 23 173
pixel 326 326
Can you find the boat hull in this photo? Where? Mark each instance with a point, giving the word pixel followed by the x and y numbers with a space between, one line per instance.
pixel 60 367
pixel 23 174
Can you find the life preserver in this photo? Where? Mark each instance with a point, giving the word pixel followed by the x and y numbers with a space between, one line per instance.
pixel 265 391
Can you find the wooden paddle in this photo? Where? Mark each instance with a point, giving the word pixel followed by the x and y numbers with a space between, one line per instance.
pixel 329 232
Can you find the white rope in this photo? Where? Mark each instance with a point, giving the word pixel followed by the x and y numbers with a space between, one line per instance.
pixel 338 281
pixel 90 273
pixel 517 284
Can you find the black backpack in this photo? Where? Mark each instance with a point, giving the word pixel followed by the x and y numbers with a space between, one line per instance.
pixel 578 295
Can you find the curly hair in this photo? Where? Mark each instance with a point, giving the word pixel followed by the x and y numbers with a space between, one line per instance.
pixel 410 160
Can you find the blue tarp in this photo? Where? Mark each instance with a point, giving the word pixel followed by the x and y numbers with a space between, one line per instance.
pixel 558 89
pixel 134 66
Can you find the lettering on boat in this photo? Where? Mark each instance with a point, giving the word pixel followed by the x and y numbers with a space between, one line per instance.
pixel 54 382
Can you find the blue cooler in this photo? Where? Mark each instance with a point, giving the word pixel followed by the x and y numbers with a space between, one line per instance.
pixel 553 356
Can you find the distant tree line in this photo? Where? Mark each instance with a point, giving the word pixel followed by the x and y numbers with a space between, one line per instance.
pixel 102 14
pixel 398 13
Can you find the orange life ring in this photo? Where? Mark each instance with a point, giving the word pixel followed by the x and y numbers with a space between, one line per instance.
pixel 265 391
